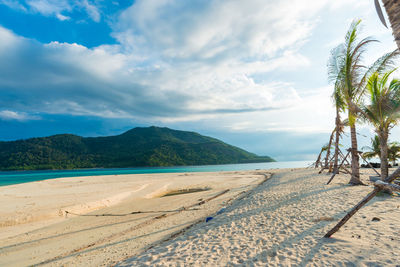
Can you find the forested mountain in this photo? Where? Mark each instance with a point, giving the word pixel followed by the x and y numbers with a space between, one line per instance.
pixel 152 146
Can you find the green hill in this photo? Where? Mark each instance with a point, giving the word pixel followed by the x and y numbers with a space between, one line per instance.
pixel 152 146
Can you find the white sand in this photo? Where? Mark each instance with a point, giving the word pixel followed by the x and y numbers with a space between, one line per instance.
pixel 279 223
pixel 35 229
pixel 282 224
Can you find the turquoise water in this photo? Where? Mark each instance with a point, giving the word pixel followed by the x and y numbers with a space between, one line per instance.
pixel 18 177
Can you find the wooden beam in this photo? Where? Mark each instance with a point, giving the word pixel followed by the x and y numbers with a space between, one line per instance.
pixel 333 175
pixel 369 164
pixel 326 166
pixel 364 201
pixel 343 157
pixel 346 170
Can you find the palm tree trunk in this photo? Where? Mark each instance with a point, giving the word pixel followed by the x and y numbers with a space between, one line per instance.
pixel 392 8
pixel 383 138
pixel 318 159
pixel 355 166
pixel 328 151
pixel 335 161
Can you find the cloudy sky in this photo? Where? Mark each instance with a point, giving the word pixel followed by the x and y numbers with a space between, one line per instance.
pixel 252 73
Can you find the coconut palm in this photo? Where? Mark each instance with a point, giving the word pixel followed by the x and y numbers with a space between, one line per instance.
pixel 328 150
pixel 393 152
pixel 350 76
pixel 374 149
pixel 346 71
pixel 392 8
pixel 339 129
pixel 318 161
pixel 383 111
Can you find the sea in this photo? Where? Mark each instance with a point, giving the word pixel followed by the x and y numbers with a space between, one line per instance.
pixel 18 177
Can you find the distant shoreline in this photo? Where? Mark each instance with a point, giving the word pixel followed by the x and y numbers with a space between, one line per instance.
pixel 18 177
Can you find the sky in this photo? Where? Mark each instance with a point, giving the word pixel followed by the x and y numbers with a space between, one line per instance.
pixel 251 73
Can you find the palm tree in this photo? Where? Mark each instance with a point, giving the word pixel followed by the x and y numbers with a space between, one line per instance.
pixel 375 148
pixel 350 77
pixel 339 129
pixel 383 111
pixel 346 71
pixel 328 149
pixel 393 152
pixel 318 161
pixel 392 8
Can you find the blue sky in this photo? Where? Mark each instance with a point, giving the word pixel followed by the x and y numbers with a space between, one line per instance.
pixel 250 73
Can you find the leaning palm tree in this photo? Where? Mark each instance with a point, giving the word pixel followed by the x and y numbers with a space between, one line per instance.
pixel 338 131
pixel 339 124
pixel 383 111
pixel 328 150
pixel 392 8
pixel 318 161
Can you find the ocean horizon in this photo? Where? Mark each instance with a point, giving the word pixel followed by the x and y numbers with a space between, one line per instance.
pixel 18 177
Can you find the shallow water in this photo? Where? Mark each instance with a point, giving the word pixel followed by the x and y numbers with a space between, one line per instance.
pixel 17 177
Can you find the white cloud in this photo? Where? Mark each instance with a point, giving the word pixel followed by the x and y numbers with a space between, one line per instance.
pixel 91 10
pixel 49 7
pixel 178 61
pixel 14 5
pixel 18 116
pixel 208 30
pixel 62 17
pixel 56 8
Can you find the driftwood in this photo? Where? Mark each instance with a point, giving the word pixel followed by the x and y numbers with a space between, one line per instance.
pixel 386 186
pixel 333 175
pixel 377 189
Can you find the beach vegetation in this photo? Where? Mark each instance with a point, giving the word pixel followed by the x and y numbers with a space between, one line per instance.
pixel 375 150
pixel 392 8
pixel 383 112
pixel 346 70
pixel 351 79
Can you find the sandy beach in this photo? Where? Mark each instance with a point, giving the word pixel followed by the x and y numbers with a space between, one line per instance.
pixel 39 224
pixel 260 221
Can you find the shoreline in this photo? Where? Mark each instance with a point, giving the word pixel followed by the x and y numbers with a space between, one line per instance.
pixel 23 176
